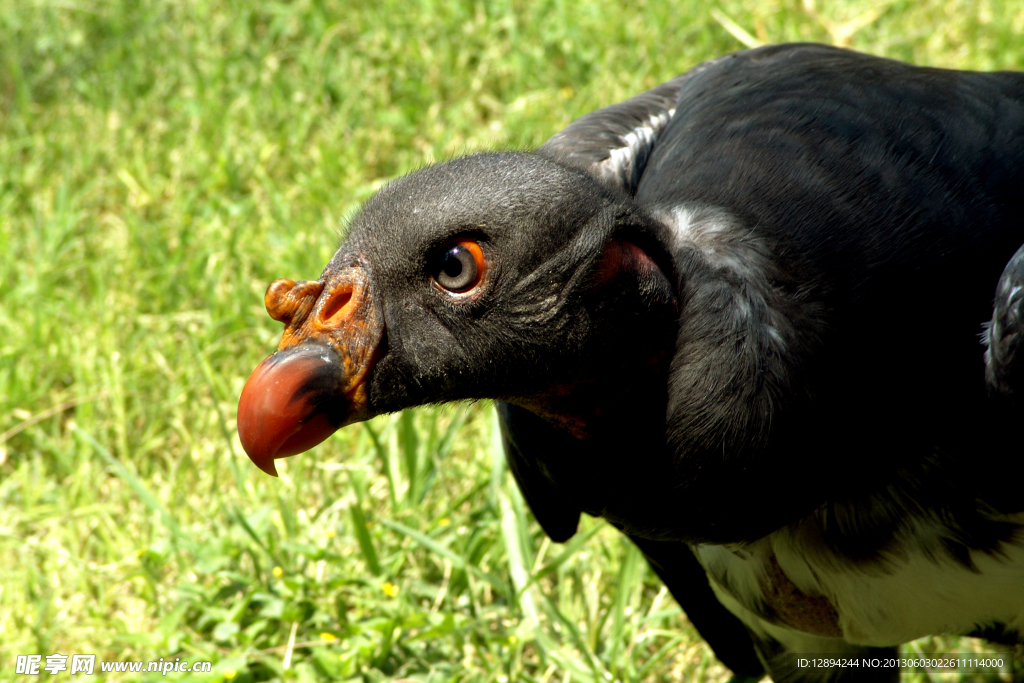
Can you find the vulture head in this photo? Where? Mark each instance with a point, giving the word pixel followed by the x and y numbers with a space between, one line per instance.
pixel 501 275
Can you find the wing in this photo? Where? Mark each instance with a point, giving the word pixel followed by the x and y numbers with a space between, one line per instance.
pixel 860 212
pixel 1004 357
pixel 614 143
pixel 805 141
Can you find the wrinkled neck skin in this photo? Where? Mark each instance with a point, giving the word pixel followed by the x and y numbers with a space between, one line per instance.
pixel 609 455
pixel 617 381
pixel 607 397
pixel 614 387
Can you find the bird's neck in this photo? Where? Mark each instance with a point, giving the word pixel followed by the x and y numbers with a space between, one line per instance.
pixel 609 399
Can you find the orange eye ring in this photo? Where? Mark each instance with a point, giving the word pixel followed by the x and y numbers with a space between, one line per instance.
pixel 459 267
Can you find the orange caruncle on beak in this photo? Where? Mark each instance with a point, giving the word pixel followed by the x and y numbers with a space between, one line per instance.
pixel 315 383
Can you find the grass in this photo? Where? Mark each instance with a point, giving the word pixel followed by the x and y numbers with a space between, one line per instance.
pixel 160 163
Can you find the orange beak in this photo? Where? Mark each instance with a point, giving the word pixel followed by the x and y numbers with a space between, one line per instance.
pixel 316 382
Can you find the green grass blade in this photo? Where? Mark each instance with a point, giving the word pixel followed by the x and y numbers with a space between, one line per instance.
pixel 519 565
pixel 430 544
pixel 359 525
pixel 572 547
pixel 497 452
pixel 628 575
pixel 440 449
pixel 240 519
pixel 137 485
pixel 385 462
pixel 222 425
pixel 409 446
pixel 591 661
pixel 457 561
pixel 653 660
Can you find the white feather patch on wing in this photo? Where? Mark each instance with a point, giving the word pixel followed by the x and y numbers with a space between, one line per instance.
pixel 739 256
pixel 622 161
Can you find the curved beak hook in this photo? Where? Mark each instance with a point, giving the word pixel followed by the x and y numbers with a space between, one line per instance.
pixel 316 382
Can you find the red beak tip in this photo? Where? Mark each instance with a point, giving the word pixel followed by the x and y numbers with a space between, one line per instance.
pixel 272 422
pixel 263 460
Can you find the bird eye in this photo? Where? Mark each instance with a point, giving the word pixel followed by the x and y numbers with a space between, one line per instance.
pixel 459 267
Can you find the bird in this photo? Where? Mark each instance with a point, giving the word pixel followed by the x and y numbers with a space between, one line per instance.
pixel 765 318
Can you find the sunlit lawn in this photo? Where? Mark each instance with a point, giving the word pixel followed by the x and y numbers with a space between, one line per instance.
pixel 160 163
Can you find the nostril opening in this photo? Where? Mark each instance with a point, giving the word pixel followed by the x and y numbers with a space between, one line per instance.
pixel 336 307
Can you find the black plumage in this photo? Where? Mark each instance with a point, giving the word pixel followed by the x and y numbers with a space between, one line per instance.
pixel 747 316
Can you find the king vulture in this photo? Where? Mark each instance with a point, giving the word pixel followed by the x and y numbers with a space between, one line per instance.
pixel 764 318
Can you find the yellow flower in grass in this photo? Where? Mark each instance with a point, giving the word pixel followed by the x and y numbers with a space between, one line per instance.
pixel 444 521
pixel 277 572
pixel 329 637
pixel 390 589
pixel 229 674
pixel 331 533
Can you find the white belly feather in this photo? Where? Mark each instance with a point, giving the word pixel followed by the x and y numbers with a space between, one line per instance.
pixel 912 591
